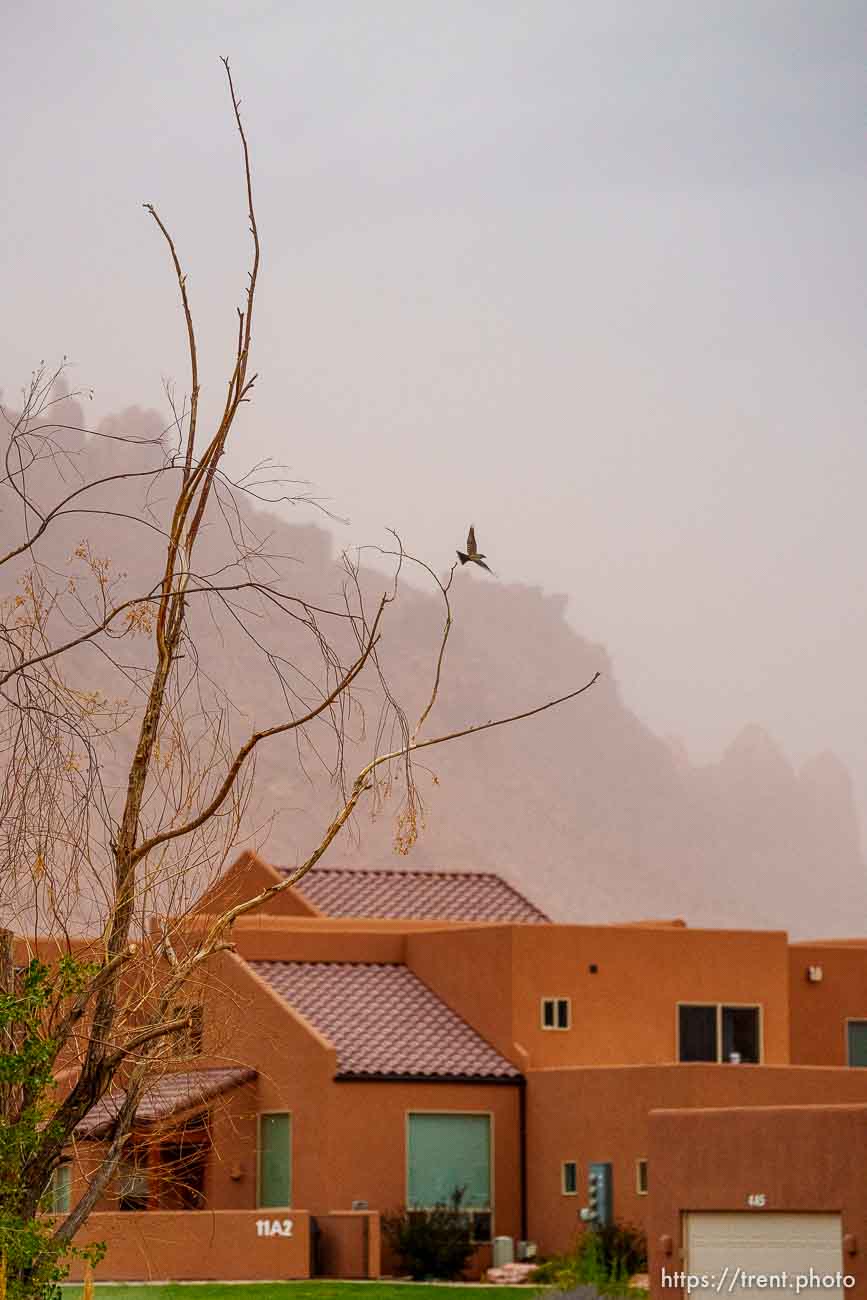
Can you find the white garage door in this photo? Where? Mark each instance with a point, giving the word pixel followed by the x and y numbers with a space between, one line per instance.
pixel 728 1252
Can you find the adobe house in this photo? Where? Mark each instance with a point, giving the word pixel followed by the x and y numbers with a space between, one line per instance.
pixel 405 1033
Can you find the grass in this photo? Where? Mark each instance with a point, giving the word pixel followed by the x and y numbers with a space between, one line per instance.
pixel 326 1289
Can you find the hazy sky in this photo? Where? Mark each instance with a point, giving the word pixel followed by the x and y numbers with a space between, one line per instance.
pixel 590 274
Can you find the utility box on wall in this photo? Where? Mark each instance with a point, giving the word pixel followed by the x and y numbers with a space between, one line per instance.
pixel 599 1211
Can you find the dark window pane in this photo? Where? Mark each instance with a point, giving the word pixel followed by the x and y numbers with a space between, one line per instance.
pixel 698 1033
pixel 482 1226
pixel 740 1027
pixel 562 1013
pixel 857 1042
pixel 570 1177
pixel 548 1013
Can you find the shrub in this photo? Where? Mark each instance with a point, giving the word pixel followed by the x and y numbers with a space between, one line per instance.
pixel 431 1243
pixel 604 1257
pixel 624 1249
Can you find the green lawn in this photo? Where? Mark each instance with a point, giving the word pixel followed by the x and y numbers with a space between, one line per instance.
pixel 319 1290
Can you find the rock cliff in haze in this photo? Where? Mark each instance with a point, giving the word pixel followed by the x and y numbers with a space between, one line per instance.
pixel 592 815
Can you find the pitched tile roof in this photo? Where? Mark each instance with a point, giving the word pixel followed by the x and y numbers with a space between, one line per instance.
pixel 384 1022
pixel 416 895
pixel 165 1097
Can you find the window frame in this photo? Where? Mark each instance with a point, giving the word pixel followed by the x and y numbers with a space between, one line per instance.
pixel 564 1190
pixel 61 1191
pixel 556 1002
pixel 758 1007
pixel 852 1020
pixel 490 1209
pixel 260 1115
pixel 133 1180
pixel 641 1176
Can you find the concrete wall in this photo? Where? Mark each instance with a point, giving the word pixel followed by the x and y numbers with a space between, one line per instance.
pixel 199 1245
pixel 604 1114
pixel 801 1159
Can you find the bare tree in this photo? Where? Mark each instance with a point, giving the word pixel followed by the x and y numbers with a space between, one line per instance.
pixel 118 806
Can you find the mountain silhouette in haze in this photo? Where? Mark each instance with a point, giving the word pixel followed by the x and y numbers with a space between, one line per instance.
pixel 584 808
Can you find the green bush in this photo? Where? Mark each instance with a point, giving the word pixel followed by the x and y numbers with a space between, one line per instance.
pixel 603 1257
pixel 624 1249
pixel 32 1263
pixel 433 1243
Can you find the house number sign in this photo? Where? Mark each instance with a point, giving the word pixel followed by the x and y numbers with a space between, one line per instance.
pixel 273 1227
pixel 757 1200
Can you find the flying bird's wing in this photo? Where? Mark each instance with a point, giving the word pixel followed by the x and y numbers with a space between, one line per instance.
pixel 472 549
pixel 484 566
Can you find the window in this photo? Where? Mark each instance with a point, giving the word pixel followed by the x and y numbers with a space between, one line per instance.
pixel 182 1173
pixel 698 1034
pixel 641 1177
pixel 60 1192
pixel 133 1182
pixel 569 1178
pixel 556 1013
pixel 275 1159
pixel 856 1042
pixel 740 1034
pixel 719 1033
pixel 447 1151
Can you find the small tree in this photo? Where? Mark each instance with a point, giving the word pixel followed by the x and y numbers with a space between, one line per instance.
pixel 117 810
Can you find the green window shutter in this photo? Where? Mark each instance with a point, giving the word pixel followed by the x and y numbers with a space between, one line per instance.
pixel 857 1042
pixel 275 1160
pixel 445 1152
pixel 61 1189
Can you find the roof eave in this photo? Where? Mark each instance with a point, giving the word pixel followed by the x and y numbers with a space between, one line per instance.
pixel 354 1076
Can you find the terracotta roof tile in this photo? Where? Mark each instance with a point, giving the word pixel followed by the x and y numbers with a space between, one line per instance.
pixel 383 1020
pixel 166 1096
pixel 417 895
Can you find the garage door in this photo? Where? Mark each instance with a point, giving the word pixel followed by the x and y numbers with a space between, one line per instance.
pixel 724 1250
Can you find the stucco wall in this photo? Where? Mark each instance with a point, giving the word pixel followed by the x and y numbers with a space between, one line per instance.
pixel 604 1114
pixel 471 971
pixel 197 1245
pixel 366 1149
pixel 349 1244
pixel 348 1138
pixel 245 878
pixel 819 1011
pixel 625 1012
pixel 798 1158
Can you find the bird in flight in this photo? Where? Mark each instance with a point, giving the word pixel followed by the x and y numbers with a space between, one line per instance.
pixel 473 555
